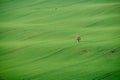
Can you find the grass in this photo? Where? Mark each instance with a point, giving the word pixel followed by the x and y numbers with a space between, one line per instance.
pixel 37 40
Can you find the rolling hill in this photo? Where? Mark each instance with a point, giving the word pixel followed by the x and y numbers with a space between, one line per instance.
pixel 37 40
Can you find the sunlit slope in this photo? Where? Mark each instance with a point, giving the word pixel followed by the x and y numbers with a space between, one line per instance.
pixel 37 40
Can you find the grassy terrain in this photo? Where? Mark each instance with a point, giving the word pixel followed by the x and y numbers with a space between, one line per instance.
pixel 37 40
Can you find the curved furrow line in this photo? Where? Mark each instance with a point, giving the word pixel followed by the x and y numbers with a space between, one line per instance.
pixel 12 51
pixel 111 39
pixel 93 24
pixel 113 51
pixel 32 36
pixel 39 59
pixel 53 54
pixel 68 66
pixel 59 52
pixel 68 16
pixel 106 75
pixel 65 67
pixel 106 10
pixel 2 32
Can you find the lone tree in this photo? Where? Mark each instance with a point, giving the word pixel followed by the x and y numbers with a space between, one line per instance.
pixel 78 38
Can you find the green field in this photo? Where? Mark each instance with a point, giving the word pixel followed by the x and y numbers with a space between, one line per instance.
pixel 37 40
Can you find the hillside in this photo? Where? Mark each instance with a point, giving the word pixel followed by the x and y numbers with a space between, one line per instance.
pixel 37 40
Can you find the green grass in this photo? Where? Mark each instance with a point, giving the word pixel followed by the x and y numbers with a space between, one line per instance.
pixel 37 40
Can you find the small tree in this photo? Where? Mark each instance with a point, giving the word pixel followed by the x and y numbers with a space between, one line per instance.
pixel 78 38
